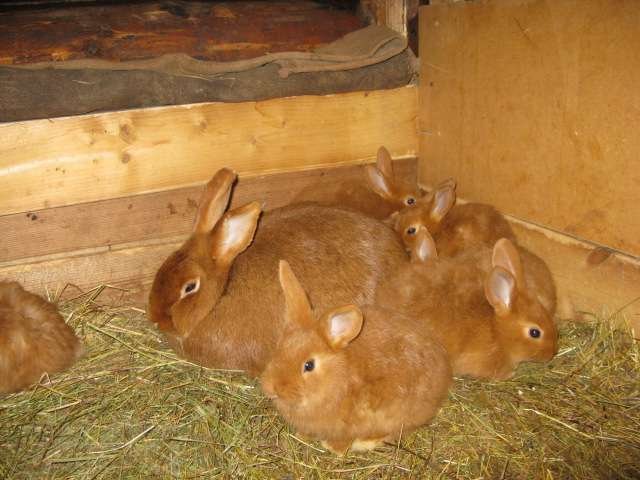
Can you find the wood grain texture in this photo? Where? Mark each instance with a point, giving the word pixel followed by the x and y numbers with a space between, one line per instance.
pixel 65 161
pixel 107 223
pixel 129 270
pixel 595 281
pixel 220 31
pixel 122 242
pixel 532 106
pixel 394 14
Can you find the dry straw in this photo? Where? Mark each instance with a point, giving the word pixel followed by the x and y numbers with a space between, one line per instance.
pixel 132 409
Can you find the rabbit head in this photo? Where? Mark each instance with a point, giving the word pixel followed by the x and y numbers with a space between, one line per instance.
pixel 191 280
pixel 381 179
pixel 309 368
pixel 525 328
pixel 428 212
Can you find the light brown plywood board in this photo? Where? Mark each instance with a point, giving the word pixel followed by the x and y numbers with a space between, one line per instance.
pixel 65 161
pixel 534 106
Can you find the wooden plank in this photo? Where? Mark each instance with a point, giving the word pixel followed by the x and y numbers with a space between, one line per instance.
pixel 151 216
pixel 81 246
pixel 594 280
pixel 223 31
pixel 392 13
pixel 531 105
pixel 65 161
pixel 129 268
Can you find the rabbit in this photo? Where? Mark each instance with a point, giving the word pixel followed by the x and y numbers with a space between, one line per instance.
pixel 378 195
pixel 218 301
pixel 352 377
pixel 34 339
pixel 478 304
pixel 460 228
pixel 455 228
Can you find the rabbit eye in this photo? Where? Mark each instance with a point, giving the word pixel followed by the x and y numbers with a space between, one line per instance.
pixel 309 365
pixel 192 286
pixel 410 201
pixel 534 333
pixel 411 230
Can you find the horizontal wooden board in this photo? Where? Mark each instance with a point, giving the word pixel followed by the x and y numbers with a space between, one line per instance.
pixel 65 161
pixel 109 243
pixel 138 218
pixel 127 271
pixel 533 105
pixel 218 31
pixel 592 281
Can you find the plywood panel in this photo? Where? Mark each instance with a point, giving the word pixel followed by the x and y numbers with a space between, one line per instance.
pixel 533 106
pixel 57 162
pixel 138 218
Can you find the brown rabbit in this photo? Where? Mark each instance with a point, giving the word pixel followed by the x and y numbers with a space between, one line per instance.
pixel 454 228
pixel 378 195
pixel 33 338
pixel 461 228
pixel 224 312
pixel 349 385
pixel 479 306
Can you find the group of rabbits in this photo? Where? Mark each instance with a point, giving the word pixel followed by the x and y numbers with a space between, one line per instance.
pixel 355 312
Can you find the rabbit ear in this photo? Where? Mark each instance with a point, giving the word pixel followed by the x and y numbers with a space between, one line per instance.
pixel 448 182
pixel 235 231
pixel 342 325
pixel 443 199
pixel 505 255
pixel 379 182
pixel 214 200
pixel 500 290
pixel 424 247
pixel 384 162
pixel 297 306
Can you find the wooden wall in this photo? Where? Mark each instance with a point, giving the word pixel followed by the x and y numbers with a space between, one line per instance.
pixel 537 101
pixel 533 106
pixel 64 161
pixel 104 198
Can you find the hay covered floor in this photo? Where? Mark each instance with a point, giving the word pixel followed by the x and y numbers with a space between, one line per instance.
pixel 131 409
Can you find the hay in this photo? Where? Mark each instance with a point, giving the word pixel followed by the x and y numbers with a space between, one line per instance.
pixel 131 409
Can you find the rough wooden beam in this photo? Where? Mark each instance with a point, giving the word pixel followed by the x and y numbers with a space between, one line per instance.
pixel 217 31
pixel 393 13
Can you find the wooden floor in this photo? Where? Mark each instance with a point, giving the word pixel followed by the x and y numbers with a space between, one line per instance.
pixel 216 31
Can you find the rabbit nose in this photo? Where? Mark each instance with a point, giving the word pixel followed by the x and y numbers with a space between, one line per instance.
pixel 268 390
